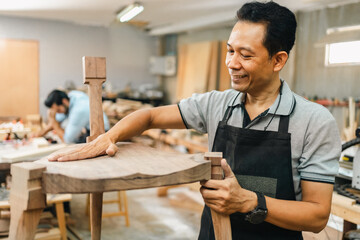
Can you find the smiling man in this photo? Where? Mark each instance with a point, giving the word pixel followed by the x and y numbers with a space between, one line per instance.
pixel 281 150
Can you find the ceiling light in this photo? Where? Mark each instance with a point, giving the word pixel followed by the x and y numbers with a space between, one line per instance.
pixel 129 12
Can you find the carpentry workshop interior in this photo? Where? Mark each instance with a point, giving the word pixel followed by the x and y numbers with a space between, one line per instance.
pixel 116 118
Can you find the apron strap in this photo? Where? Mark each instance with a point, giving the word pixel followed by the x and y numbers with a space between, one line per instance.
pixel 229 110
pixel 284 121
pixel 284 124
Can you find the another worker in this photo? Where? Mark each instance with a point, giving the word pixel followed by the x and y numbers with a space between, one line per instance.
pixel 281 150
pixel 68 115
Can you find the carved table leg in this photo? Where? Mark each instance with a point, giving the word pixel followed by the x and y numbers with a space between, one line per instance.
pixel 221 222
pixel 27 200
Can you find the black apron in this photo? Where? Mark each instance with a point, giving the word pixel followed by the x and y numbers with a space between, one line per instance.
pixel 261 161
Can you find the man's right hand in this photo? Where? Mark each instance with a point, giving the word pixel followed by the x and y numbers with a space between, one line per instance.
pixel 100 146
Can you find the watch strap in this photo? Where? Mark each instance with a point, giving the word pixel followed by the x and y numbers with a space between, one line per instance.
pixel 261 201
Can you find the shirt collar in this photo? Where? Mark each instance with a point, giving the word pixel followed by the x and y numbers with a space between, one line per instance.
pixel 286 105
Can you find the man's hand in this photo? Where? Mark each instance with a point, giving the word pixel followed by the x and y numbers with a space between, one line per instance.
pixel 227 196
pixel 100 146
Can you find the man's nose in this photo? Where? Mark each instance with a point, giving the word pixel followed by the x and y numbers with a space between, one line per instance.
pixel 233 62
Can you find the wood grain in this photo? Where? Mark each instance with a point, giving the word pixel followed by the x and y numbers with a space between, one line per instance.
pixel 94 69
pixel 194 66
pixel 27 200
pixel 224 76
pixel 134 166
pixel 221 222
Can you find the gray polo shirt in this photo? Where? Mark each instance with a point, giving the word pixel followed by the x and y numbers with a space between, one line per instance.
pixel 315 139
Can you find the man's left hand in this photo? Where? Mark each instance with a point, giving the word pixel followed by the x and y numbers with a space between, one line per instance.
pixel 227 196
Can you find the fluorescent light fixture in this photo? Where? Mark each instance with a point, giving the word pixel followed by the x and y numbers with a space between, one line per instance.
pixel 129 12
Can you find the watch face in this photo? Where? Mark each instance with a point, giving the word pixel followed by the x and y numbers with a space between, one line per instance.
pixel 258 216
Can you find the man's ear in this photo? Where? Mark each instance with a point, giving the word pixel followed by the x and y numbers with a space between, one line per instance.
pixel 279 60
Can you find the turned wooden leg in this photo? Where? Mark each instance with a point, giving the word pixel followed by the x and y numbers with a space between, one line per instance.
pixel 27 200
pixel 96 202
pixel 221 222
pixel 94 70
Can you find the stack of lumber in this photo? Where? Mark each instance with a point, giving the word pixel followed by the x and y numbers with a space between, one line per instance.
pixel 118 110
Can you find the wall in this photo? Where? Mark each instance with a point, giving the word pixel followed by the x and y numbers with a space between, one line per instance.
pixel 311 76
pixel 62 46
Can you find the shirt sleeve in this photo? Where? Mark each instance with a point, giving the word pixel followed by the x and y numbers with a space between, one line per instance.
pixel 322 148
pixel 78 119
pixel 195 111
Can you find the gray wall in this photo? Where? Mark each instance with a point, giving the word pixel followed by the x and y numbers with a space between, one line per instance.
pixel 311 76
pixel 62 46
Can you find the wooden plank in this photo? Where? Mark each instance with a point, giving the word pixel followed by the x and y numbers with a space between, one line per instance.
pixel 224 78
pixel 19 77
pixel 30 154
pixel 134 166
pixel 213 66
pixel 345 208
pixel 193 69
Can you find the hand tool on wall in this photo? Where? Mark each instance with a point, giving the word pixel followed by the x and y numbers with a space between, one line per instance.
pixel 94 71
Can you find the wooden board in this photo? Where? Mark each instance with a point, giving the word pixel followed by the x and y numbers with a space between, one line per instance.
pixel 345 208
pixel 29 154
pixel 19 77
pixel 134 166
pixel 193 69
pixel 224 76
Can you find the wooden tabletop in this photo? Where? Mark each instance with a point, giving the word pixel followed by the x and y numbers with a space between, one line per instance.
pixel 134 166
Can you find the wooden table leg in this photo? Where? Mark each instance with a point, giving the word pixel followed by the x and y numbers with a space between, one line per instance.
pixel 96 202
pixel 27 200
pixel 221 222
pixel 61 219
pixel 94 69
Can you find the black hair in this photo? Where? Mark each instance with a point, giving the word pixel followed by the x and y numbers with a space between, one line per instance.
pixel 56 96
pixel 280 24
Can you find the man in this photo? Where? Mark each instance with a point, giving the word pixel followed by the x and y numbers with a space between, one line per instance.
pixel 68 115
pixel 281 150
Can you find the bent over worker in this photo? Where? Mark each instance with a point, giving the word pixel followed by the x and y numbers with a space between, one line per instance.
pixel 68 114
pixel 281 150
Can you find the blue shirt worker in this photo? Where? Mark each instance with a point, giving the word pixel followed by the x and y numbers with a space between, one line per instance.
pixel 280 151
pixel 68 115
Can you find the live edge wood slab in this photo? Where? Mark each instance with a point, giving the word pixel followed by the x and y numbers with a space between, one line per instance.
pixel 134 166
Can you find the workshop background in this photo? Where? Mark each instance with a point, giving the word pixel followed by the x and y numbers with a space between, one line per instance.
pixel 165 53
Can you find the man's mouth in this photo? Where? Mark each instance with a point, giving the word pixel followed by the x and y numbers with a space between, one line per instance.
pixel 238 77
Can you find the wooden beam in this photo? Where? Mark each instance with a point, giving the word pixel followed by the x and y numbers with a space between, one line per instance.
pixel 94 69
pixel 27 200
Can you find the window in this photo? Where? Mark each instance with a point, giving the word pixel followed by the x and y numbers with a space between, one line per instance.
pixel 342 53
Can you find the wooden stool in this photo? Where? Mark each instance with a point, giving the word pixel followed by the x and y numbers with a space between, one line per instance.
pixel 122 205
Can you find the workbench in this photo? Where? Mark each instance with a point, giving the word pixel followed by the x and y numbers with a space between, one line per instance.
pixel 347 209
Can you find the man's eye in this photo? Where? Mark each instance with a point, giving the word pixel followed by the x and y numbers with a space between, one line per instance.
pixel 246 56
pixel 230 51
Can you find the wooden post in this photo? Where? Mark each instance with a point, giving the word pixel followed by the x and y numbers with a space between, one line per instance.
pixel 26 199
pixel 94 69
pixel 221 222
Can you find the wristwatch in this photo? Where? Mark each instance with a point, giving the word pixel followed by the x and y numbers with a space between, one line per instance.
pixel 259 214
